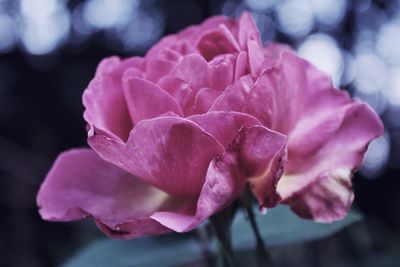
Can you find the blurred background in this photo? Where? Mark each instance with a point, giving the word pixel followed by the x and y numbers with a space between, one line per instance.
pixel 49 50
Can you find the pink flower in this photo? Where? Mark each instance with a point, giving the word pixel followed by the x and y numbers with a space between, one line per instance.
pixel 175 136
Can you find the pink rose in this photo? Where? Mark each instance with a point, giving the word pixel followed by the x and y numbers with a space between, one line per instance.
pixel 175 136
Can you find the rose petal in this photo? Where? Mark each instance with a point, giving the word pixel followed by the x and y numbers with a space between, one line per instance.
pixel 241 65
pixel 157 68
pixel 223 184
pixel 326 199
pixel 169 47
pixel 222 125
pixel 106 110
pixel 327 139
pixel 81 184
pixel 225 180
pixel 234 96
pixel 197 31
pixel 247 30
pixel 222 70
pixel 165 152
pixel 147 100
pixel 204 99
pixel 256 57
pixel 263 152
pixel 330 169
pixel 194 70
pixel 215 43
pixel 181 91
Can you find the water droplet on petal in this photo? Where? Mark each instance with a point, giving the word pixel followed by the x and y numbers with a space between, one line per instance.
pixel 263 210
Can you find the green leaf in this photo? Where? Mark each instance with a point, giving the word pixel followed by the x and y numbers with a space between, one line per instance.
pixel 151 251
pixel 280 226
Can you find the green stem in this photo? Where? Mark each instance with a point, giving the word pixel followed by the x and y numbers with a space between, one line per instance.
pixel 203 237
pixel 221 223
pixel 263 257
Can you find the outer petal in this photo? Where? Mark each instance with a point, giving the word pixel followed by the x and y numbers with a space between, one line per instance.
pixel 106 110
pixel 147 100
pixel 300 101
pixel 165 152
pixel 328 135
pixel 81 184
pixel 223 184
pixel 320 188
pixel 262 152
pixel 226 178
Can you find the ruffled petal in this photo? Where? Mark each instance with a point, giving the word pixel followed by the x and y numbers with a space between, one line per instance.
pixel 194 70
pixel 247 30
pixel 181 91
pixel 226 178
pixel 81 184
pixel 157 68
pixel 241 65
pixel 263 152
pixel 171 48
pixel 215 43
pixel 224 126
pixel 327 198
pixel 256 57
pixel 327 138
pixel 222 71
pixel 164 152
pixel 197 31
pixel 204 99
pixel 234 97
pixel 224 183
pixel 106 110
pixel 318 186
pixel 146 100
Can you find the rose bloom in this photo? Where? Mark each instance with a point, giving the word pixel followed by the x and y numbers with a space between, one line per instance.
pixel 178 134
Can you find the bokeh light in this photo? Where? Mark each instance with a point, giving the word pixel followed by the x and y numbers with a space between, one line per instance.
pixel 295 25
pixel 44 25
pixel 102 14
pixel 328 12
pixel 371 72
pixel 8 37
pixel 376 157
pixel 323 51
